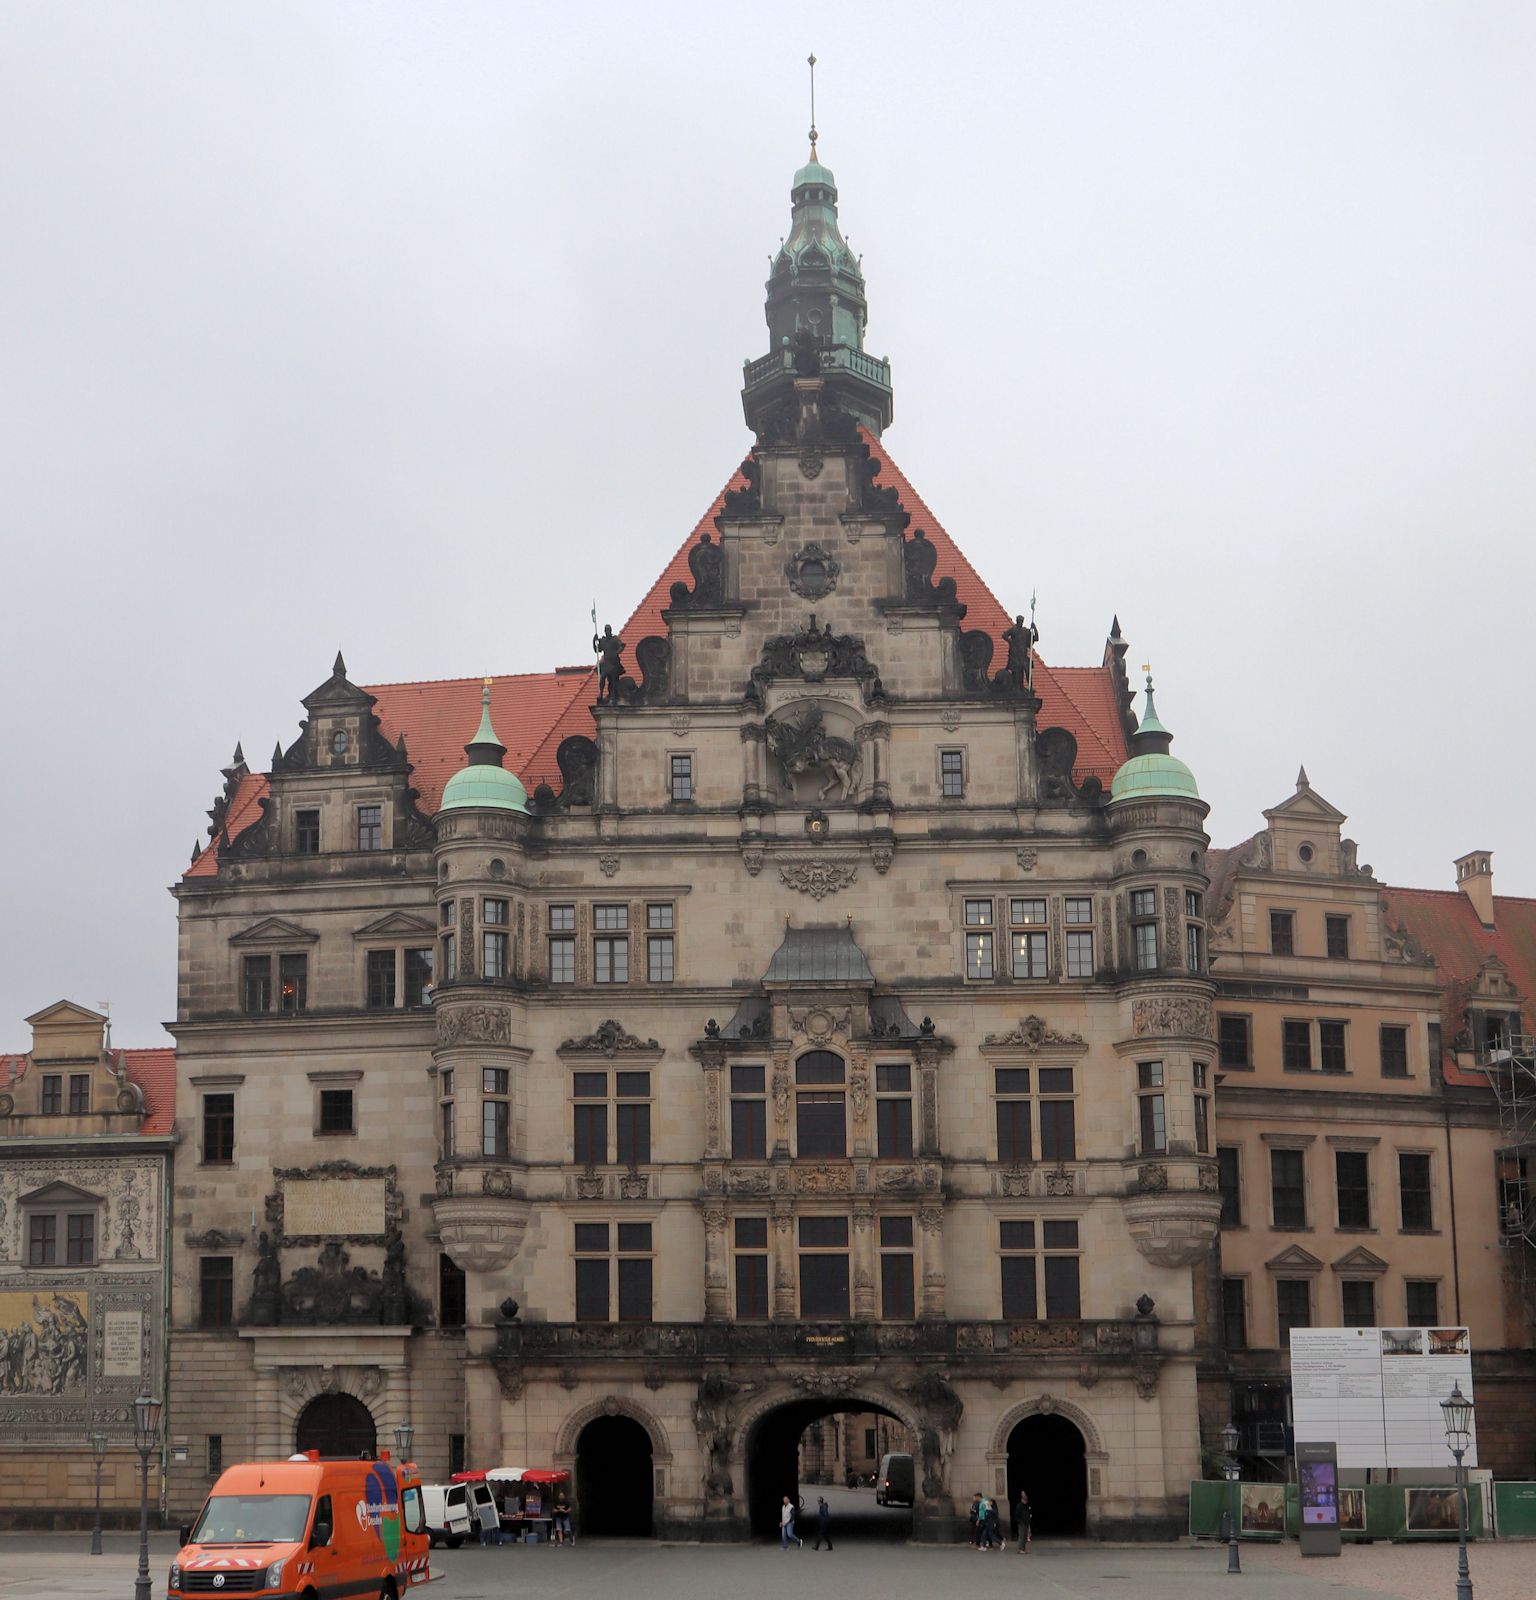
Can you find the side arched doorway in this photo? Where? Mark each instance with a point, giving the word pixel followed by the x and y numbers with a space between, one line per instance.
pixel 1048 1460
pixel 336 1425
pixel 615 1484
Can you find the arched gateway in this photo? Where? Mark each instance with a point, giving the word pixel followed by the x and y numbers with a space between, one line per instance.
pixel 336 1425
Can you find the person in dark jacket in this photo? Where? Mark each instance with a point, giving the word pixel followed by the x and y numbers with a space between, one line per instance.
pixel 823 1522
pixel 1021 1521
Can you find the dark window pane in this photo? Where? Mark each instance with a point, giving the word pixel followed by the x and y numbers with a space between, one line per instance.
pixel 824 1233
pixel 1330 1042
pixel 1297 1046
pixel 634 1133
pixel 1146 946
pixel 216 1291
pixel 1413 1185
pixel 952 774
pixel 682 777
pixel 1337 929
pixel 1029 956
pixel 1059 1235
pixel 1012 1080
pixel 42 1241
pixel 1149 1074
pixel 896 1232
pixel 370 828
pixel 1423 1303
pixel 1281 933
pixel 893 1127
pixel 589 1085
pixel 256 989
pixel 1154 1124
pixel 1293 1297
pixel 1143 902
pixel 749 1130
pixel 1062 1297
pixel 418 976
pixel 1203 1124
pixel 1394 1052
pixel 751 1233
pixel 824 1286
pixel 293 982
pixel 893 1080
pixel 634 1289
pixel 1013 1140
pixel 306 832
pixel 591 1139
pixel 592 1290
pixel 821 1125
pixel 1359 1304
pixel 820 1066
pixel 897 1291
pixel 1017 1235
pixel 381 979
pixel 1352 1168
pixel 496 1128
pixel 79 1240
pixel 632 1085
pixel 751 1286
pixel 747 1080
pixel 1228 1159
pixel 1236 1048
pixel 79 1093
pixel 1234 1314
pixel 452 1300
pixel 1019 1287
pixel 218 1127
pixel 1058 1130
pixel 591 1236
pixel 336 1111
pixel 53 1093
pixel 1287 1176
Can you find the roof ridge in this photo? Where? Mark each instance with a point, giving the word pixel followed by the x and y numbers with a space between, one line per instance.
pixel 495 677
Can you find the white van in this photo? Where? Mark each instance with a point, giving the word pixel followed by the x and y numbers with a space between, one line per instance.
pixel 448 1516
pixel 483 1514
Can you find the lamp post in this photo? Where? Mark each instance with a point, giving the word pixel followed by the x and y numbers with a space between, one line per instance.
pixel 146 1435
pixel 1234 1470
pixel 99 1450
pixel 1458 1435
pixel 404 1435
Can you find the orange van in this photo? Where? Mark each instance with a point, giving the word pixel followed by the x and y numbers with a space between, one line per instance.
pixel 307 1529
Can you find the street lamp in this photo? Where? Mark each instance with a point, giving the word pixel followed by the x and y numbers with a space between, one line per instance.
pixel 146 1436
pixel 1234 1470
pixel 99 1450
pixel 404 1434
pixel 1458 1435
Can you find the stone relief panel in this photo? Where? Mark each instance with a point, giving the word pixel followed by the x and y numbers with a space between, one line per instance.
pixel 129 1223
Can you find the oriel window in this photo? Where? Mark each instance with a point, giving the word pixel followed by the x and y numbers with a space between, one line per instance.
pixel 749 1113
pixel 893 1110
pixel 898 1287
pixel 751 1239
pixel 824 1267
pixel 821 1126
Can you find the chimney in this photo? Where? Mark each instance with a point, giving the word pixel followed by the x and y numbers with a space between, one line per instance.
pixel 1474 877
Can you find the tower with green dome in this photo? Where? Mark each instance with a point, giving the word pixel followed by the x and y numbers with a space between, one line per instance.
pixel 485 784
pixel 1151 773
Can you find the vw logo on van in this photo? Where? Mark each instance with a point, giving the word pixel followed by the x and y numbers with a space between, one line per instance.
pixel 218 1580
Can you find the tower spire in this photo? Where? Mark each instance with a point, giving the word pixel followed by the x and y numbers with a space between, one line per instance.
pixel 810 61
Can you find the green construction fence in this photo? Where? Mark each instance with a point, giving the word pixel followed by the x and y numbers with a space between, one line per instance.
pixel 1385 1506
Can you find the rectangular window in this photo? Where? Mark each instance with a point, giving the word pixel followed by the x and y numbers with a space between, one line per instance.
pixel 452 1296
pixel 370 827
pixel 450 957
pixel 42 1241
pixel 1079 911
pixel 978 956
pixel 751 1267
pixel 610 919
pixel 1337 933
pixel 418 976
pixel 1058 1115
pixel 1017 1242
pixel 820 1113
pixel 1331 1055
pixel 562 959
pixel 634 1271
pixel 893 1110
pixel 632 1116
pixel 494 913
pixel 610 959
pixel 215 1454
pixel 1193 904
pixel 824 1267
pixel 562 919
pixel 218 1129
pixel 898 1283
pixel 445 914
pixel 457 1452
pixel 682 778
pixel 1282 933
pixel 292 983
pixel 1027 913
pixel 1152 1109
pixel 1234 1313
pixel 1079 953
pixel 1146 946
pixel 53 1094
pixel 1288 1188
pixel 978 913
pixel 79 1093
pixel 1296 1046
pixel 952 774
pixel 1203 1124
pixel 1229 1168
pixel 1423 1302
pixel 659 918
pixel 749 1114
pixel 1235 1041
pixel 1352 1176
pixel 660 958
pixel 256 985
pixel 1359 1297
pixel 336 1111
pixel 1194 947
pixel 449 1140
pixel 306 833
pixel 1030 955
pixel 1143 902
pixel 1414 1192
pixel 381 979
pixel 496 1123
pixel 1293 1305
pixel 80 1239
pixel 1063 1297
pixel 493 953
pixel 589 1093
pixel 1011 1085
pixel 216 1291
pixel 593 1271
pixel 1394 1051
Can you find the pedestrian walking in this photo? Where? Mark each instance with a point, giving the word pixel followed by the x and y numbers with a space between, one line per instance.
pixel 973 1517
pixel 994 1526
pixel 1022 1516
pixel 787 1525
pixel 823 1522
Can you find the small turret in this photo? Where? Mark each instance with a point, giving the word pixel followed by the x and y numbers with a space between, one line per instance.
pixel 485 784
pixel 1151 773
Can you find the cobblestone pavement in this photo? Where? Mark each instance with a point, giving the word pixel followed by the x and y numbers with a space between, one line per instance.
pixel 55 1567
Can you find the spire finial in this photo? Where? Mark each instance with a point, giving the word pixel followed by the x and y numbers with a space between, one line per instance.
pixel 1301 779
pixel 810 61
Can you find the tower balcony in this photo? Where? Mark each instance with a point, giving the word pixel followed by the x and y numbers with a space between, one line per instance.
pixel 481 1213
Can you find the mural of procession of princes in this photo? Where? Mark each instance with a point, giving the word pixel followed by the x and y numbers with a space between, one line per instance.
pixel 43 1353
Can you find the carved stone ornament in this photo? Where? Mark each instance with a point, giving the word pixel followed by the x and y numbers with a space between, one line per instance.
pixel 1152 1179
pixel 1028 859
pixel 812 572
pixel 634 1186
pixel 818 878
pixel 1015 1180
pixel 819 1024
pixel 1033 1033
pixel 1180 1014
pixel 812 654
pixel 496 1181
pixel 609 865
pixel 810 466
pixel 1046 1405
pixel 752 859
pixel 1060 1183
pixel 474 1025
pixel 509 1375
pixel 824 1180
pixel 609 1039
pixel 679 721
pixel 1146 1378
pixel 1210 1179
pixel 213 1239
pixel 803 745
pixel 589 1186
pixel 882 855
pixel 949 718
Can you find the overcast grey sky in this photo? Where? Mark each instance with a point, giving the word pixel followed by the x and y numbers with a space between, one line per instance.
pixel 400 328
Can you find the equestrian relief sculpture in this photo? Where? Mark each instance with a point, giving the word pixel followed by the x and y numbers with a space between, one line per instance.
pixel 804 745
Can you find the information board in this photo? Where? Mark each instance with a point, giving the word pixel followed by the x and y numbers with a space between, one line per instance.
pixel 1376 1392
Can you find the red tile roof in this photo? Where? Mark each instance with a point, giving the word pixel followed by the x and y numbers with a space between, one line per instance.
pixel 534 712
pixel 1445 924
pixel 153 1070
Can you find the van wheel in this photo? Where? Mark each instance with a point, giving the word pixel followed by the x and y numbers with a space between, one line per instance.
pixel 453 1540
pixel 388 1591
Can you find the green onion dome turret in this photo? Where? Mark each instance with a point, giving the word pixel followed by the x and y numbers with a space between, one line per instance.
pixel 1151 773
pixel 485 784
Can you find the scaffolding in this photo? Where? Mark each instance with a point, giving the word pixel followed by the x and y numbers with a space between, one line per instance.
pixel 1509 1064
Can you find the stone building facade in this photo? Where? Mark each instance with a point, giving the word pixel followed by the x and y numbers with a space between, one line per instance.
pixel 85 1164
pixel 828 1031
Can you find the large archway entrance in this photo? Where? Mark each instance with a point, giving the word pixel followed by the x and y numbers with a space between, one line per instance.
pixel 336 1425
pixel 615 1484
pixel 811 1448
pixel 1048 1460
